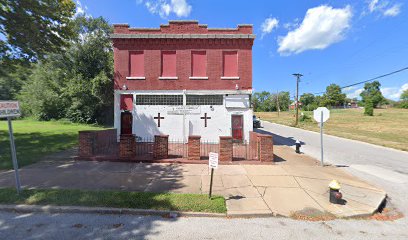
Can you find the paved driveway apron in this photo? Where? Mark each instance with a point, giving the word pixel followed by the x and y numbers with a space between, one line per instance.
pixel 250 190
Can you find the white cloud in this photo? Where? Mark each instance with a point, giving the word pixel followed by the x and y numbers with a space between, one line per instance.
pixel 353 92
pixel 383 7
pixel 292 25
pixel 268 25
pixel 165 7
pixel 81 10
pixel 394 93
pixel 393 11
pixel 321 27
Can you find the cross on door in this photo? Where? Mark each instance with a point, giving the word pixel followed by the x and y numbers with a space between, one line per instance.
pixel 205 119
pixel 158 119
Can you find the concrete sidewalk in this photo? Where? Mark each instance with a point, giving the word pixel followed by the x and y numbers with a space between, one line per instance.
pixel 250 190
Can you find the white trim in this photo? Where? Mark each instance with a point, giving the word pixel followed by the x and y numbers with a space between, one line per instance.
pixel 135 78
pixel 229 78
pixel 198 78
pixel 168 78
pixel 172 92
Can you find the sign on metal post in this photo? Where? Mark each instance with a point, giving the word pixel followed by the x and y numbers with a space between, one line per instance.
pixel 213 164
pixel 321 115
pixel 9 109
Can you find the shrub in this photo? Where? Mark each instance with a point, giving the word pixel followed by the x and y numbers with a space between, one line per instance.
pixel 404 104
pixel 305 118
pixel 369 107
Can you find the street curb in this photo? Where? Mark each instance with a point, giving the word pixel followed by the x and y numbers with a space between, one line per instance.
pixel 104 210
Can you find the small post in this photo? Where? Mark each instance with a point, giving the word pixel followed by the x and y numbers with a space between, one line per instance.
pixel 211 183
pixel 321 138
pixel 14 155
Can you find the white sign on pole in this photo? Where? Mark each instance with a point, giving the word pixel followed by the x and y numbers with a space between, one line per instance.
pixel 9 109
pixel 213 160
pixel 317 114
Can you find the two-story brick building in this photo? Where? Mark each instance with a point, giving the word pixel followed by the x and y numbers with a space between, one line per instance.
pixel 183 79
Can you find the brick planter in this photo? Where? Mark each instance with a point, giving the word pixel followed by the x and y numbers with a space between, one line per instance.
pixel 225 152
pixel 161 146
pixel 127 146
pixel 194 147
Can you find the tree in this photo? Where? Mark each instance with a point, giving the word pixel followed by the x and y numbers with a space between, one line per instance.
pixel 404 95
pixel 259 101
pixel 308 101
pixel 333 96
pixel 77 83
pixel 372 91
pixel 284 101
pixel 369 107
pixel 33 28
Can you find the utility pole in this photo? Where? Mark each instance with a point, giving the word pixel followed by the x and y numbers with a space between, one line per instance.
pixel 298 76
pixel 277 101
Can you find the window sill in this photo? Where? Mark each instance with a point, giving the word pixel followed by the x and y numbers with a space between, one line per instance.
pixel 168 78
pixel 229 78
pixel 198 78
pixel 135 78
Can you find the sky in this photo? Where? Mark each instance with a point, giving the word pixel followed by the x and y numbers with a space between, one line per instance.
pixel 333 41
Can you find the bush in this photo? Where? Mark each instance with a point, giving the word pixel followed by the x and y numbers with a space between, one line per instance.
pixel 403 104
pixel 305 118
pixel 369 107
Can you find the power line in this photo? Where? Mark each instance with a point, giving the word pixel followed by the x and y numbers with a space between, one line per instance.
pixel 372 79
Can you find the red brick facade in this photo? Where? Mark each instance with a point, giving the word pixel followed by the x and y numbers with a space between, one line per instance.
pixel 238 39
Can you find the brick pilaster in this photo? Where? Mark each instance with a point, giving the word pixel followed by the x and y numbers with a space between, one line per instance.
pixel 225 152
pixel 265 148
pixel 127 146
pixel 161 146
pixel 194 147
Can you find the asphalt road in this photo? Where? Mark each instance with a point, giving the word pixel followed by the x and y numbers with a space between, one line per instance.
pixel 385 167
pixel 93 226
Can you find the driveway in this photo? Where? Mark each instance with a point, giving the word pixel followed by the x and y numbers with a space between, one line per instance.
pixel 385 167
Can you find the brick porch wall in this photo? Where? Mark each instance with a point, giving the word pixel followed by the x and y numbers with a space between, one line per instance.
pixel 194 147
pixel 161 146
pixel 262 146
pixel 225 152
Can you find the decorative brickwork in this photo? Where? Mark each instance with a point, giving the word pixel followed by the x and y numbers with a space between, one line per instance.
pixel 98 142
pixel 225 152
pixel 161 146
pixel 194 147
pixel 127 146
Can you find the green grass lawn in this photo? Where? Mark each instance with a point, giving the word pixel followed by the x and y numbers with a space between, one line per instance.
pixel 388 127
pixel 116 199
pixel 35 139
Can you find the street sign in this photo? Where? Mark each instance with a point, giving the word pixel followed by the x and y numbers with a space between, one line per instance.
pixel 321 115
pixel 317 114
pixel 213 160
pixel 9 109
pixel 213 164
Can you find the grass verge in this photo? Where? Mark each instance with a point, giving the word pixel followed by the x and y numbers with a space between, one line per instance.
pixel 388 127
pixel 36 139
pixel 115 199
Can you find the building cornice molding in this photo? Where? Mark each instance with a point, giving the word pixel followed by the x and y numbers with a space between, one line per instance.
pixel 182 36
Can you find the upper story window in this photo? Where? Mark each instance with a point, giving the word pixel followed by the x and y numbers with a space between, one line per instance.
pixel 230 64
pixel 168 64
pixel 198 64
pixel 136 64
